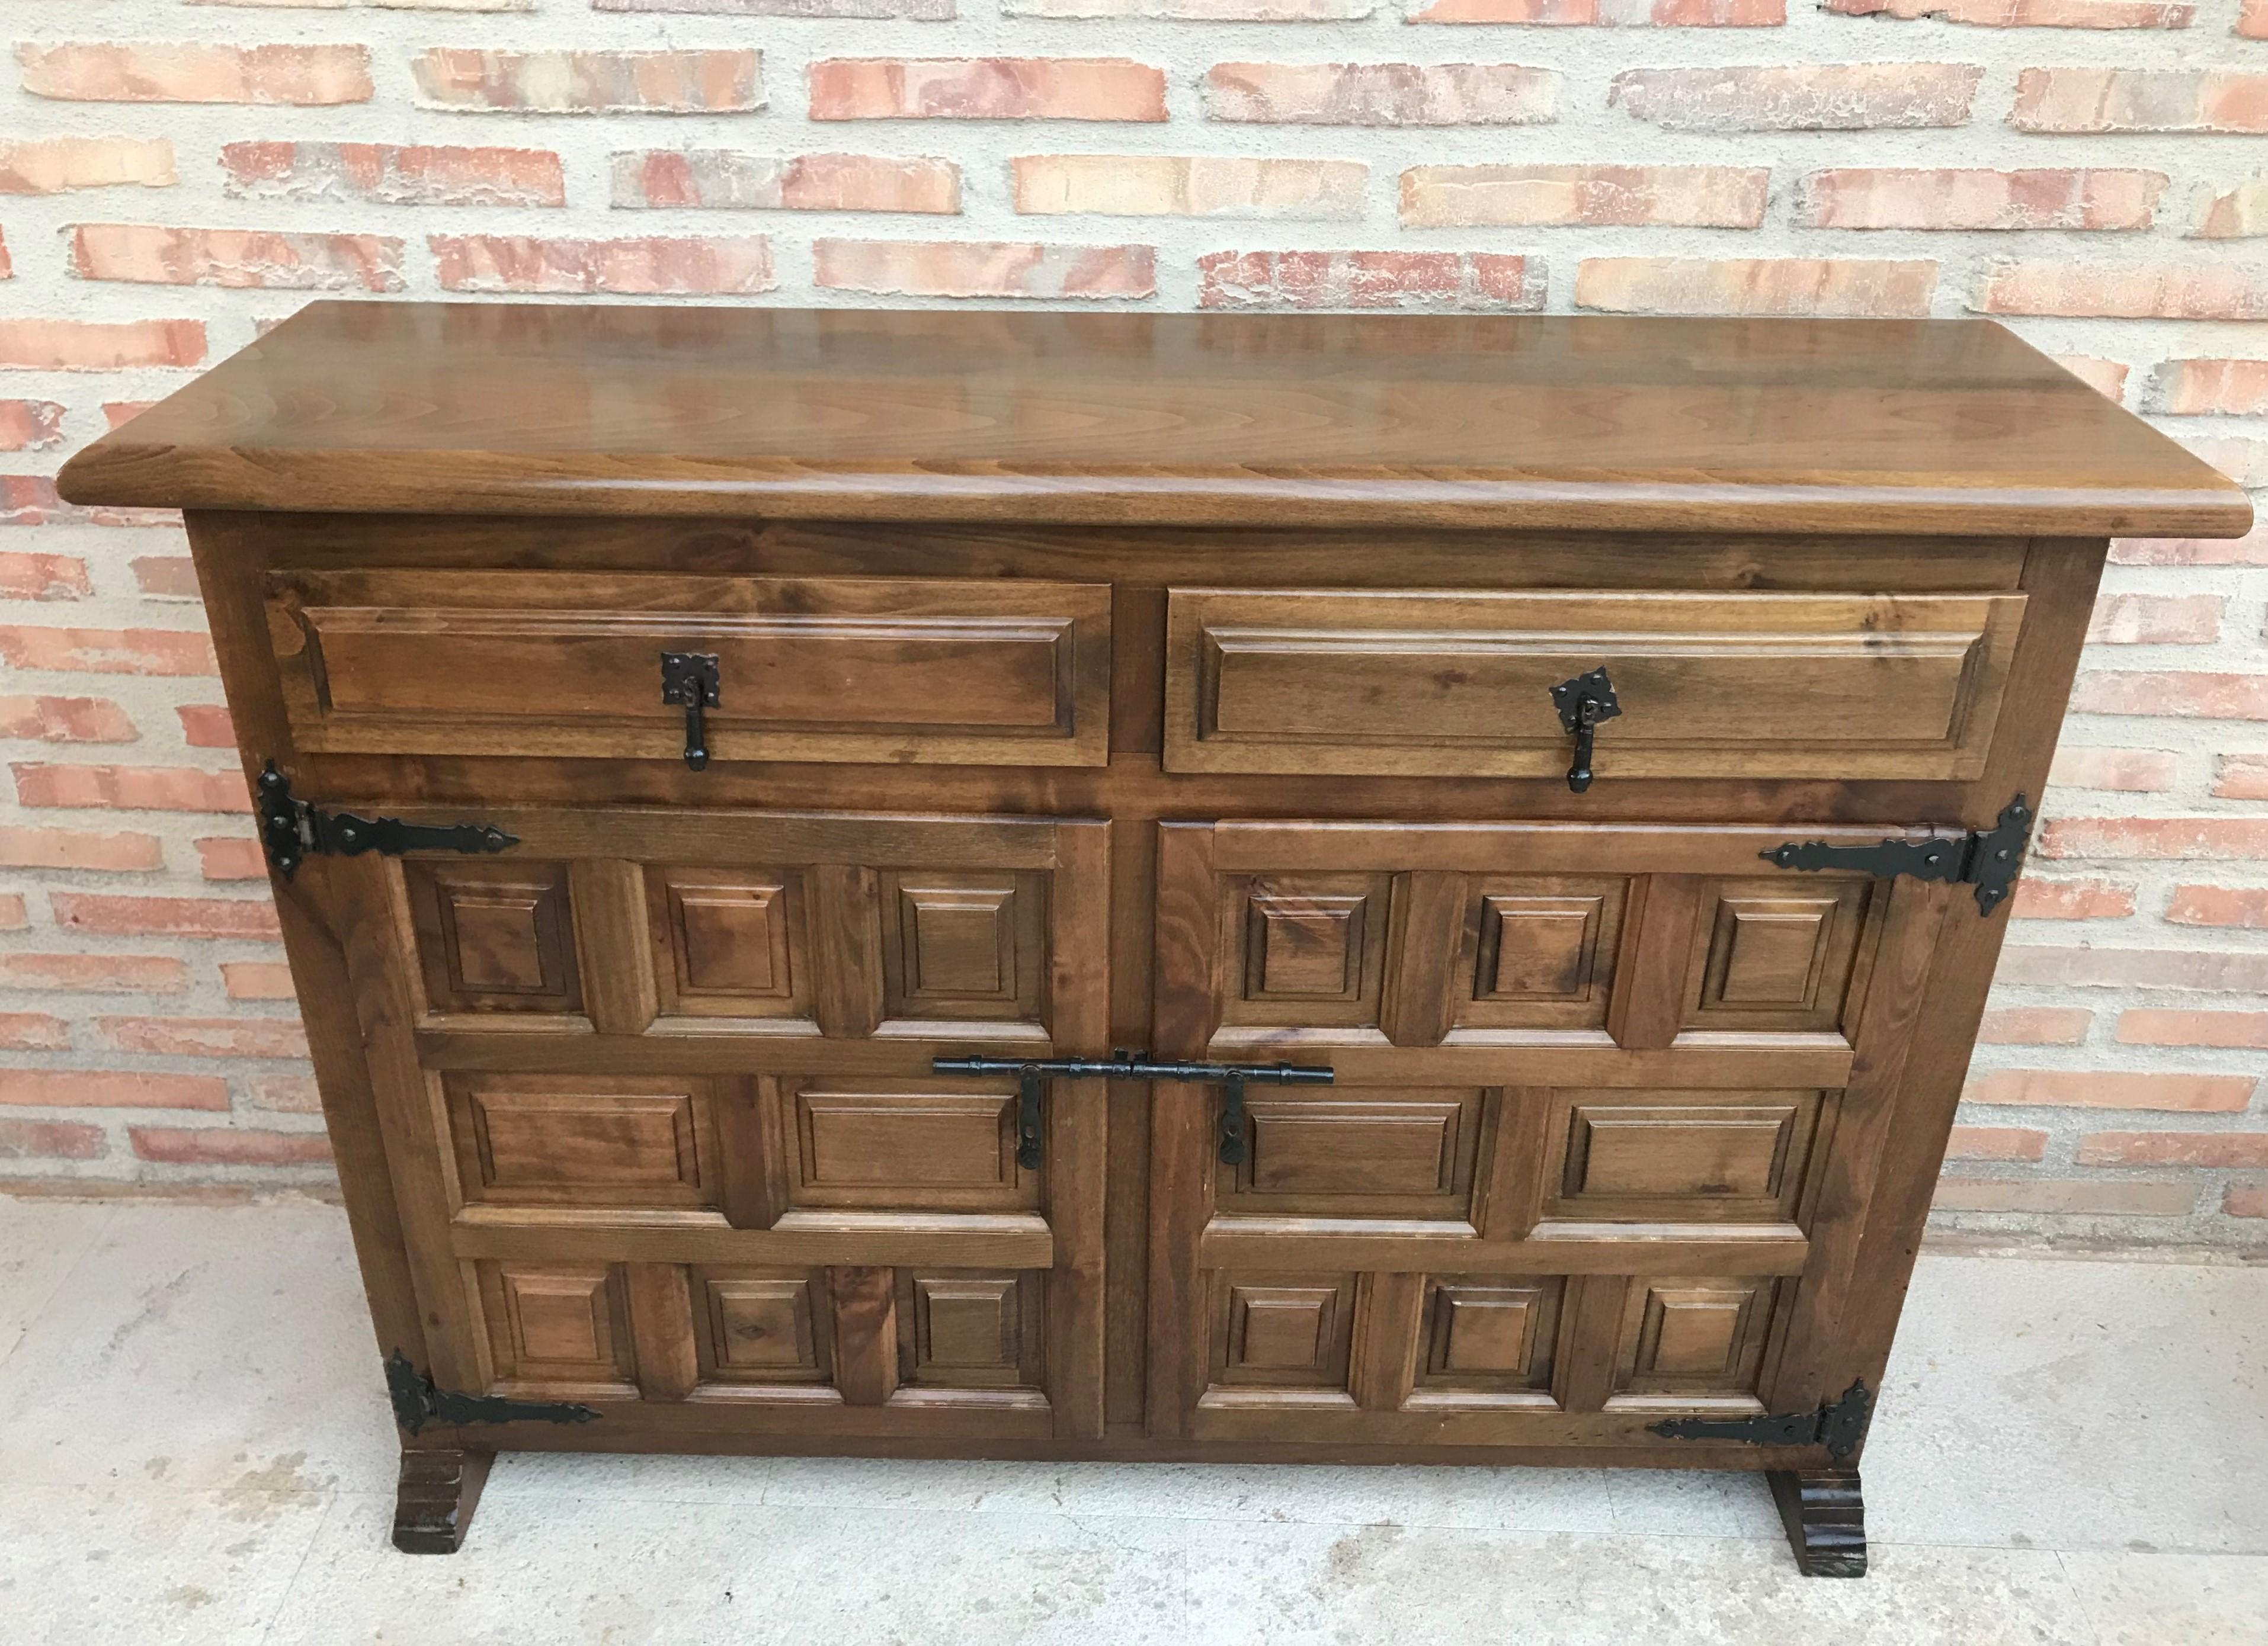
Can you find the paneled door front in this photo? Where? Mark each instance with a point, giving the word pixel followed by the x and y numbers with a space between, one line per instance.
pixel 1607 1101
pixel 656 1098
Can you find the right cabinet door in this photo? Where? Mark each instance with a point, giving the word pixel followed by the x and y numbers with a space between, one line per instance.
pixel 1608 1105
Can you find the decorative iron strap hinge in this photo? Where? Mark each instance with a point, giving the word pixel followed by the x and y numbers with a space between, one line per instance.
pixel 1032 1073
pixel 1839 1427
pixel 289 829
pixel 417 1402
pixel 1987 859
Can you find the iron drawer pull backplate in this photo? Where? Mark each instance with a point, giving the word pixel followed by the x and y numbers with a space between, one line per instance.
pixel 1031 1072
pixel 1582 704
pixel 688 680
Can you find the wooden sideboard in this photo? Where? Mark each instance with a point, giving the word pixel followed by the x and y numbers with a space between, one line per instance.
pixel 1127 886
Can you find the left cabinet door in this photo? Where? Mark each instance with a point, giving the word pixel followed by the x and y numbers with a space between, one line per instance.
pixel 656 1096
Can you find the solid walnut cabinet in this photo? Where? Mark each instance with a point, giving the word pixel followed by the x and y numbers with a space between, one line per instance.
pixel 825 856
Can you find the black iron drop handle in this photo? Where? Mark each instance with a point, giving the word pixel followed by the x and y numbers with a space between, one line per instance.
pixel 689 678
pixel 1582 704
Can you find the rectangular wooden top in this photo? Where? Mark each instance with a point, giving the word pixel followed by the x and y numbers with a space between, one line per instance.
pixel 1883 426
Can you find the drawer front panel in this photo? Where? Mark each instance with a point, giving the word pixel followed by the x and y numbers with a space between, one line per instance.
pixel 862 669
pixel 1459 684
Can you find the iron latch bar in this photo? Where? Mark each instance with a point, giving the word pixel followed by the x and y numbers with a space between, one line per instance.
pixel 1839 1426
pixel 1031 1073
pixel 1987 859
pixel 417 1402
pixel 289 829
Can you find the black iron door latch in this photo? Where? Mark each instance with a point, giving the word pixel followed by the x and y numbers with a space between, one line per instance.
pixel 289 829
pixel 688 681
pixel 1032 1073
pixel 1987 859
pixel 1582 704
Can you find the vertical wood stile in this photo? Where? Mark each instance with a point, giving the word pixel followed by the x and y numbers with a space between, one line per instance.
pixel 846 950
pixel 1425 941
pixel 865 1302
pixel 1181 1122
pixel 661 1330
pixel 1078 949
pixel 1390 1322
pixel 1589 1340
pixel 613 945
pixel 1648 1006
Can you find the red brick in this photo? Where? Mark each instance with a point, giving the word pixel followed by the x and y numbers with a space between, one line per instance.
pixel 2203 387
pixel 2174 1149
pixel 2247 1200
pixel 50 1139
pixel 724 179
pixel 2106 378
pixel 1595 196
pixel 108 650
pixel 33 500
pixel 1204 186
pixel 51 165
pixel 166 577
pixel 1996 1142
pixel 2035 1026
pixel 118 414
pixel 2078 967
pixel 649 264
pixel 2112 1088
pixel 2148 1026
pixel 2125 771
pixel 77 848
pixel 229 1146
pixel 986 88
pixel 2241 777
pixel 2064 1197
pixel 131 788
pixel 1436 281
pixel 284 1094
pixel 1832 97
pixel 2027 13
pixel 2158 839
pixel 2136 99
pixel 2189 695
pixel 2157 619
pixel 37 576
pixel 1871 197
pixel 229 858
pixel 29 425
pixel 95 974
pixel 110 1088
pixel 204 1037
pixel 2251 550
pixel 984 268
pixel 48 345
pixel 2037 899
pixel 393 173
pixel 1610 13
pixel 2252 19
pixel 913 11
pixel 2174 291
pixel 2235 214
pixel 257 980
pixel 1380 93
pixel 1755 285
pixel 2219 906
pixel 12 916
pixel 116 916
pixel 206 725
pixel 195 71
pixel 590 82
pixel 266 258
pixel 33 1032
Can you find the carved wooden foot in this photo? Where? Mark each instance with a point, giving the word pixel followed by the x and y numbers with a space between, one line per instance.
pixel 434 1504
pixel 1825 1518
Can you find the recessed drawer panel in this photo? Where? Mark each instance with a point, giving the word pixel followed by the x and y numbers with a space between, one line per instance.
pixel 1891 686
pixel 855 669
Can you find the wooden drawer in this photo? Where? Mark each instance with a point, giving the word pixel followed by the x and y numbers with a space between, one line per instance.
pixel 1458 683
pixel 855 669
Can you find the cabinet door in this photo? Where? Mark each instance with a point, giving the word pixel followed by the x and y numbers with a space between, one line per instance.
pixel 656 1093
pixel 1607 1106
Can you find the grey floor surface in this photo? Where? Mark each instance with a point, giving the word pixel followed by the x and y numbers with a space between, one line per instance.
pixel 193 1448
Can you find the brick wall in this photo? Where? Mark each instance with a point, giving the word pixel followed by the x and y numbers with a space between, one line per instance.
pixel 175 174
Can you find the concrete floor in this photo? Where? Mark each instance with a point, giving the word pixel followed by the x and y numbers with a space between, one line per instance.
pixel 194 1448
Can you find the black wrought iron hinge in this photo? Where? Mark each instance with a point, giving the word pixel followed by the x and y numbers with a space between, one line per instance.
pixel 1031 1072
pixel 291 829
pixel 1986 858
pixel 417 1402
pixel 1839 1426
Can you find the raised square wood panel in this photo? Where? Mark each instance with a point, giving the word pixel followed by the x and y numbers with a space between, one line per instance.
pixel 932 1145
pixel 761 1329
pixel 1376 1153
pixel 1289 1333
pixel 495 936
pixel 808 668
pixel 1777 958
pixel 1693 1338
pixel 730 943
pixel 959 947
pixel 971 1331
pixel 1457 682
pixel 556 1324
pixel 583 1141
pixel 1491 1340
pixel 1308 949
pixel 1543 951
pixel 1678 1157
